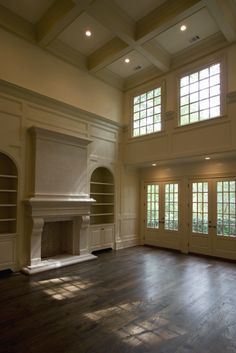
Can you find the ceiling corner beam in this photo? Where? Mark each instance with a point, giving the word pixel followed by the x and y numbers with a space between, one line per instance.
pixel 17 25
pixel 224 13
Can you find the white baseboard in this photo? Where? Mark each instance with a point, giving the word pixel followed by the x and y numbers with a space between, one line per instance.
pixel 127 243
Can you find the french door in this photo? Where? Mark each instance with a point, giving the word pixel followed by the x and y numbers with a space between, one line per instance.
pixel 198 217
pixel 162 214
pixel 212 215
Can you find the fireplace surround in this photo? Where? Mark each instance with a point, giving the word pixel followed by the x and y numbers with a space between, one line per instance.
pixel 59 194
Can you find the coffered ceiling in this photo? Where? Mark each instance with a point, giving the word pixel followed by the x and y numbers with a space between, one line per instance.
pixel 144 32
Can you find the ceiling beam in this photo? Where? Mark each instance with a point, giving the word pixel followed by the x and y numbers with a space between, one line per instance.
pixel 16 24
pixel 106 54
pixel 164 16
pixel 224 13
pixel 59 16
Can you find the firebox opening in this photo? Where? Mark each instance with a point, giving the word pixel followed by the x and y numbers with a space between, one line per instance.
pixel 57 239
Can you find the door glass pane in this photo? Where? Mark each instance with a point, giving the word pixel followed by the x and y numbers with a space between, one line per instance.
pixel 171 207
pixel 200 208
pixel 226 208
pixel 152 206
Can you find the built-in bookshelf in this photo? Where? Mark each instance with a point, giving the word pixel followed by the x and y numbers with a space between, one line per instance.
pixel 102 190
pixel 8 195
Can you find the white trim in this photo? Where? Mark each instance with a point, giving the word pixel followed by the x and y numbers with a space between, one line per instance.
pixel 127 242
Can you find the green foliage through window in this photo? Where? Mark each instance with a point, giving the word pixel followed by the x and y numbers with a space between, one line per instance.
pixel 152 206
pixel 226 214
pixel 200 207
pixel 171 207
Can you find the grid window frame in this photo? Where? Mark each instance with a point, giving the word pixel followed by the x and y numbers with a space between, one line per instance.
pixel 226 209
pixel 152 206
pixel 201 96
pixel 147 110
pixel 171 212
pixel 200 207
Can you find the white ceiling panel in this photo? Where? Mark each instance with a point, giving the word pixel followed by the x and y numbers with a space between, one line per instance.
pixel 200 24
pixel 74 35
pixel 136 64
pixel 30 10
pixel 138 9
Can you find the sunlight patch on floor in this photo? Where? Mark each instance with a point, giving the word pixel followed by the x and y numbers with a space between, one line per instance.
pixel 61 288
pixel 124 317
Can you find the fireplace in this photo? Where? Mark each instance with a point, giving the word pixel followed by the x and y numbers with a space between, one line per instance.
pixel 59 206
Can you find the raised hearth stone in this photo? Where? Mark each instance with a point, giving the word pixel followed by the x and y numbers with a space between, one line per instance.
pixel 57 262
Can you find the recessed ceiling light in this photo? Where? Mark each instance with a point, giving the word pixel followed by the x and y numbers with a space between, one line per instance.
pixel 127 60
pixel 88 33
pixel 183 28
pixel 207 158
pixel 154 164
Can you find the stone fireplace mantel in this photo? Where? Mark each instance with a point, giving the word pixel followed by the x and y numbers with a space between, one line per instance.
pixel 57 209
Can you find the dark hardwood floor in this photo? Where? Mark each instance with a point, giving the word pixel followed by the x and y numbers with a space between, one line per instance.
pixel 137 300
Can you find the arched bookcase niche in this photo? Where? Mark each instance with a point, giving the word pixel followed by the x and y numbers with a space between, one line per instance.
pixel 102 190
pixel 8 195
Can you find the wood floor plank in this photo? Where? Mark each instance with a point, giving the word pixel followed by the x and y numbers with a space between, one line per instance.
pixel 137 300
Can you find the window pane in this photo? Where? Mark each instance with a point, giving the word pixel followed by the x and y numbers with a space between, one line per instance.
pixel 184 81
pixel 152 202
pixel 184 120
pixel 214 112
pixel 200 95
pixel 204 73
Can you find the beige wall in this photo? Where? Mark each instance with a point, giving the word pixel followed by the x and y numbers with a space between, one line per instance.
pixel 30 67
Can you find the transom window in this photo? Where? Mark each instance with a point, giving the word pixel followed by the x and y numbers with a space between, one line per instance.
pixel 200 95
pixel 153 206
pixel 226 214
pixel 147 113
pixel 171 207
